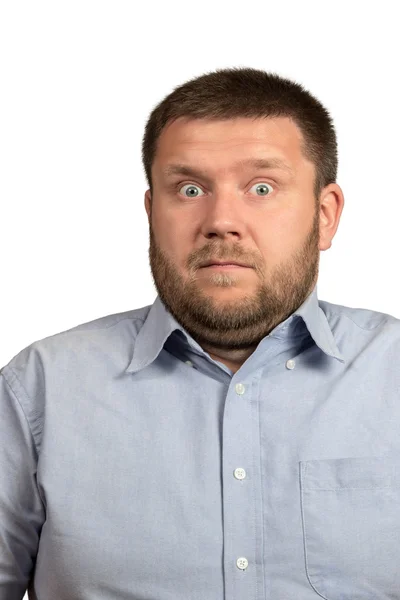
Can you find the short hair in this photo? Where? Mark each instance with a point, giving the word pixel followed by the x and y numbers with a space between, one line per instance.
pixel 226 94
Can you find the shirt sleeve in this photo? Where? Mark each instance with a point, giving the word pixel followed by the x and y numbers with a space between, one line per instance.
pixel 22 511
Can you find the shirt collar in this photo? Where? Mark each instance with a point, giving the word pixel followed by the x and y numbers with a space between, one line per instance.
pixel 160 324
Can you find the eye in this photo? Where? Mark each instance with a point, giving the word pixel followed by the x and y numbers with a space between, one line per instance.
pixel 264 188
pixel 192 192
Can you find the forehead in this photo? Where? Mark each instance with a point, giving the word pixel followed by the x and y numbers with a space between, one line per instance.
pixel 221 144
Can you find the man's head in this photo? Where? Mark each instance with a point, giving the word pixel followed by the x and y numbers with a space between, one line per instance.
pixel 274 217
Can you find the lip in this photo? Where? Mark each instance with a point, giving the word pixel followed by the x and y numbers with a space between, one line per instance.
pixel 222 263
pixel 225 267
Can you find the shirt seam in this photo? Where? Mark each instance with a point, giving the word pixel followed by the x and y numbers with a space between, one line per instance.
pixel 8 383
pixel 76 329
pixel 125 319
pixel 12 389
pixel 340 315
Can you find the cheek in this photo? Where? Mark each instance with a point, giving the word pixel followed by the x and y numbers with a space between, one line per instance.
pixel 280 237
pixel 293 224
pixel 163 227
pixel 171 235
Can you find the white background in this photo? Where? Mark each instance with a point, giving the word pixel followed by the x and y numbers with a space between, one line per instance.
pixel 78 81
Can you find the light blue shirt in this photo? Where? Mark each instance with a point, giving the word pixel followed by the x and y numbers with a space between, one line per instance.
pixel 133 466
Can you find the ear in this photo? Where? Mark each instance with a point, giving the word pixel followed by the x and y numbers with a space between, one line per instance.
pixel 147 204
pixel 331 207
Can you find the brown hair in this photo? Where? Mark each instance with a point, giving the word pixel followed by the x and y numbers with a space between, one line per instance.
pixel 247 92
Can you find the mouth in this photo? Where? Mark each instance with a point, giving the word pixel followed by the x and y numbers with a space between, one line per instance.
pixel 224 266
pixel 209 264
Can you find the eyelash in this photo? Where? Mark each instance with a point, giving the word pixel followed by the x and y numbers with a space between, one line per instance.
pixel 180 185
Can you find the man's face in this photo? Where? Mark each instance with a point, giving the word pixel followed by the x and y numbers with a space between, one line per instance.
pixel 264 217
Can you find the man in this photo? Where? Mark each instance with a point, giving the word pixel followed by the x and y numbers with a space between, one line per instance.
pixel 239 438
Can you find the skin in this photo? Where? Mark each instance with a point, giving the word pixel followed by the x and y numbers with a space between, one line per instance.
pixel 275 227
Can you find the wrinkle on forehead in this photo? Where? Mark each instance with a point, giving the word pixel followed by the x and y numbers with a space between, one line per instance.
pixel 213 147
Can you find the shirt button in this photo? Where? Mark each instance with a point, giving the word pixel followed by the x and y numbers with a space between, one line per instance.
pixel 239 473
pixel 242 563
pixel 240 389
pixel 290 364
pixel 189 362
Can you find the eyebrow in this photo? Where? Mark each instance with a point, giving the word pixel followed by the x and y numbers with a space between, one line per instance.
pixel 254 163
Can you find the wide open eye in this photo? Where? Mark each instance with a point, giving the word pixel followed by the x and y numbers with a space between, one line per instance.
pixel 192 192
pixel 264 188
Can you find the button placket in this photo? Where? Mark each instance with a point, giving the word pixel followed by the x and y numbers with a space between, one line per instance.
pixel 239 473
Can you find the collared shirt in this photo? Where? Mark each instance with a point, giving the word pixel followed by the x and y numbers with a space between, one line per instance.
pixel 135 466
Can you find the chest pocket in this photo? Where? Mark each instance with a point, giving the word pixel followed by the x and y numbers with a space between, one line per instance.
pixel 351 527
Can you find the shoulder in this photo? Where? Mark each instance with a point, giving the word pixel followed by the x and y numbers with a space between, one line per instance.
pixel 363 318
